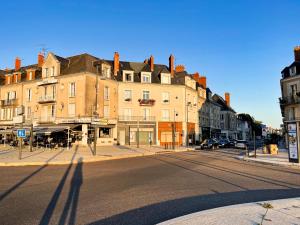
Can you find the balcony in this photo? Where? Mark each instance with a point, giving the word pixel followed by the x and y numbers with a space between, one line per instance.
pixel 146 102
pixel 8 102
pixel 136 118
pixel 47 99
pixel 289 100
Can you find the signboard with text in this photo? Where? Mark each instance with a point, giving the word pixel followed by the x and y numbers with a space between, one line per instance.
pixel 21 133
pixel 293 142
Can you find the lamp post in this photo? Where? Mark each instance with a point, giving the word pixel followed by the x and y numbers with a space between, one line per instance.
pixel 187 121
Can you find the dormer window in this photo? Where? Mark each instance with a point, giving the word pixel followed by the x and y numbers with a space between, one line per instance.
pixel 52 71
pixel 146 78
pixel 46 72
pixel 127 76
pixel 165 78
pixel 293 71
pixel 106 71
pixel 30 75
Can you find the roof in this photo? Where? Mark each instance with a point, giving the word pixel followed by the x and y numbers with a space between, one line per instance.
pixel 222 102
pixel 286 71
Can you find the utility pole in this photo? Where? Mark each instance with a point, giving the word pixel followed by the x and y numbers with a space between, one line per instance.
pixel 138 133
pixel 187 122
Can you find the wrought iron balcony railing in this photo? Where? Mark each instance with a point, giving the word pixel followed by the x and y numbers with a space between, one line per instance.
pixel 136 118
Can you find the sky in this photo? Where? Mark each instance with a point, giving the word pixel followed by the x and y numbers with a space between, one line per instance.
pixel 241 46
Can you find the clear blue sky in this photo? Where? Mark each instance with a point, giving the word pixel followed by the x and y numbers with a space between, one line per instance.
pixel 241 46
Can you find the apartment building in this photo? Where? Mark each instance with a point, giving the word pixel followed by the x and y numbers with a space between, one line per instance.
pixel 158 104
pixel 60 93
pixel 127 102
pixel 290 99
pixel 209 116
pixel 228 119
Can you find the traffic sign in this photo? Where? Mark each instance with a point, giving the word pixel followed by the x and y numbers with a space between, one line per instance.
pixel 21 133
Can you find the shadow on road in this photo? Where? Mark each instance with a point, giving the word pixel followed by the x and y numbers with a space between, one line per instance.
pixel 159 212
pixel 55 197
pixel 13 188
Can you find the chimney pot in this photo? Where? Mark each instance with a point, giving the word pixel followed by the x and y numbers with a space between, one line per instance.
pixel 116 63
pixel 17 63
pixel 151 63
pixel 40 59
pixel 180 68
pixel 227 98
pixel 171 65
pixel 297 53
pixel 202 81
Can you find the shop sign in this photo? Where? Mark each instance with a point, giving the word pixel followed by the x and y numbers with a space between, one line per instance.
pixel 293 142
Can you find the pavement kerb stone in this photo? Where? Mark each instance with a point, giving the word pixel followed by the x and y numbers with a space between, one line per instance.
pixel 264 162
pixel 89 160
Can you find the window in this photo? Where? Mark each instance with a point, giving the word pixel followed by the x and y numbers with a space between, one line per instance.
pixel 53 91
pixel 53 110
pixel 106 111
pixel 127 95
pixel 72 89
pixel 165 97
pixel 9 79
pixel 46 72
pixel 291 113
pixel 146 114
pixel 106 93
pixel 52 71
pixel 293 89
pixel 106 71
pixel 165 79
pixel 165 114
pixel 16 78
pixel 128 77
pixel 28 114
pixel 293 71
pixel 30 75
pixel 11 95
pixel 146 95
pixel 9 113
pixel 127 114
pixel 3 114
pixel 104 132
pixel 71 109
pixel 146 78
pixel 28 95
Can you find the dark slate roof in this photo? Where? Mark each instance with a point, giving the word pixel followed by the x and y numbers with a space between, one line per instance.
pixel 286 71
pixel 222 102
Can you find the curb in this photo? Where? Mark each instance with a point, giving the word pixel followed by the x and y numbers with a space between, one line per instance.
pixel 90 160
pixel 293 165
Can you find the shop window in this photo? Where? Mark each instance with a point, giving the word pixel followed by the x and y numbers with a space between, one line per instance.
pixel 104 132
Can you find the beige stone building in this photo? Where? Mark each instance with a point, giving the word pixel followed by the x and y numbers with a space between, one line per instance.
pixel 127 102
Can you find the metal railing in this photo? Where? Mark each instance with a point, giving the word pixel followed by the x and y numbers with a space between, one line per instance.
pixel 136 118
pixel 288 100
pixel 8 102
pixel 47 98
pixel 291 119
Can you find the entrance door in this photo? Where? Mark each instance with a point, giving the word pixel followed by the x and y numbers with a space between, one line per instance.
pixel 122 137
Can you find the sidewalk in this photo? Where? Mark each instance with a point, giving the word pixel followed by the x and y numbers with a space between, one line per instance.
pixel 285 211
pixel 281 158
pixel 9 156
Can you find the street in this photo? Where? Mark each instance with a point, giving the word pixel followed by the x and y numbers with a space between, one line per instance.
pixel 142 190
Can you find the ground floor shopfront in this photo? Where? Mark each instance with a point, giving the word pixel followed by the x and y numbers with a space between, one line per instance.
pixel 208 132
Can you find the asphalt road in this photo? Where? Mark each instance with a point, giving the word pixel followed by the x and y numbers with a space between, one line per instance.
pixel 144 190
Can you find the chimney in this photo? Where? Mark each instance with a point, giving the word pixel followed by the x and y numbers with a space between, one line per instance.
pixel 297 53
pixel 196 76
pixel 179 68
pixel 40 59
pixel 116 63
pixel 227 98
pixel 17 63
pixel 171 65
pixel 202 82
pixel 151 63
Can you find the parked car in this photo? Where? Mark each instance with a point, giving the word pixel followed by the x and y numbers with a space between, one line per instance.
pixel 224 143
pixel 241 144
pixel 209 144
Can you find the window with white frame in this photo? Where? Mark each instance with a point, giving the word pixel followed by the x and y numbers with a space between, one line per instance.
pixel 9 79
pixel 106 111
pixel 28 94
pixel 9 113
pixel 127 95
pixel 28 113
pixel 106 93
pixel 165 78
pixel 146 95
pixel 146 113
pixel 106 71
pixel 127 114
pixel 30 75
pixel 128 76
pixel 71 109
pixel 72 89
pixel 146 78
pixel 3 114
pixel 11 95
pixel 165 114
pixel 46 72
pixel 165 97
